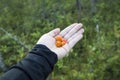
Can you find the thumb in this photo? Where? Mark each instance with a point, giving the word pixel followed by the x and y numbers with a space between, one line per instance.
pixel 54 32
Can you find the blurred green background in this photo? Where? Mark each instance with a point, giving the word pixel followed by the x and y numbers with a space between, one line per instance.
pixel 95 57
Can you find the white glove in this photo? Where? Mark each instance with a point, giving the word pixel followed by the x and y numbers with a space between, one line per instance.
pixel 72 34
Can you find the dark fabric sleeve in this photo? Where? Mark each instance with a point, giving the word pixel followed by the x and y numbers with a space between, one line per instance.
pixel 37 65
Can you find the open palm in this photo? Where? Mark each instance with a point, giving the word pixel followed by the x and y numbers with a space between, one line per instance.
pixel 72 34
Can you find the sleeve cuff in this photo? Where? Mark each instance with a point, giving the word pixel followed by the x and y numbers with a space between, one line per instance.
pixel 45 52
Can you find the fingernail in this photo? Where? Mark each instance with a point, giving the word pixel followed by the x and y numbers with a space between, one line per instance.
pixel 83 30
pixel 81 24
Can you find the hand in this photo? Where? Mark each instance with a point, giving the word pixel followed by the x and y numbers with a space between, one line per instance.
pixel 72 34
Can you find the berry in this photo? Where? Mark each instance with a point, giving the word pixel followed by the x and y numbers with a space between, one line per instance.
pixel 63 43
pixel 58 38
pixel 64 40
pixel 58 43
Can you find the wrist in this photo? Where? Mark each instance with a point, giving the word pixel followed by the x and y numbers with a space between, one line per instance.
pixel 44 51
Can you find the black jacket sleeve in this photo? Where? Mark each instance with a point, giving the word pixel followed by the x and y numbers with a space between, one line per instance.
pixel 37 65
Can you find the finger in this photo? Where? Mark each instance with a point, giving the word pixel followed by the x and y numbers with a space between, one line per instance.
pixel 54 32
pixel 76 34
pixel 66 48
pixel 75 40
pixel 73 31
pixel 66 30
pixel 61 53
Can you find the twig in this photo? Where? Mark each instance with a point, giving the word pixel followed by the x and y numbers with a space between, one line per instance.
pixel 79 9
pixel 2 65
pixel 14 38
pixel 93 6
